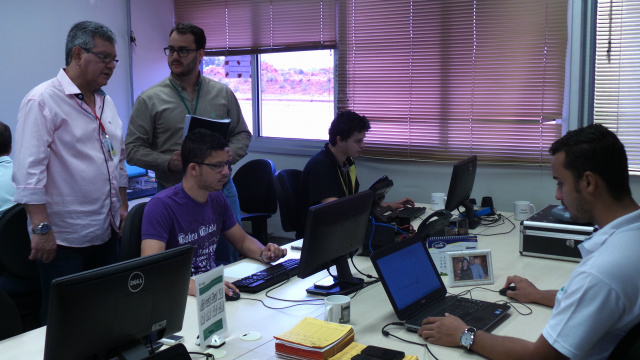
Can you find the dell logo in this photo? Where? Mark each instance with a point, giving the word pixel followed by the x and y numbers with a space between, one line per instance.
pixel 136 281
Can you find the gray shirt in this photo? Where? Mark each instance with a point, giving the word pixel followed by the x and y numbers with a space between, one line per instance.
pixel 157 123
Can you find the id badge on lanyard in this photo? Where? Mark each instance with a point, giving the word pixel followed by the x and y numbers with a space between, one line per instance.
pixel 108 145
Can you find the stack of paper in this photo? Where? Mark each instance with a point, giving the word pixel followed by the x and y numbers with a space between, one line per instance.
pixel 314 339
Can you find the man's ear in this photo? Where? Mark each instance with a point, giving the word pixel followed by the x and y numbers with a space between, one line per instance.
pixel 76 54
pixel 590 181
pixel 193 169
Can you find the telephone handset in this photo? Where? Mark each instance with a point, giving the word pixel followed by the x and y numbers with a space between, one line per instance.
pixel 434 224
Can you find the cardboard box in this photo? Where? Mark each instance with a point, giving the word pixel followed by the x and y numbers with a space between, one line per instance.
pixel 542 235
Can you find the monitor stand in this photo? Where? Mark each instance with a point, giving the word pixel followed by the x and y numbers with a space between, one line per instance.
pixel 468 214
pixel 346 283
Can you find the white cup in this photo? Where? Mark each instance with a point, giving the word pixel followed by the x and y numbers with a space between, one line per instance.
pixel 437 201
pixel 337 309
pixel 522 210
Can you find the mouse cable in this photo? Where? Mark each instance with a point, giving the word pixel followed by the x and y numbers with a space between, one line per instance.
pixel 386 333
pixel 510 303
pixel 502 219
pixel 300 302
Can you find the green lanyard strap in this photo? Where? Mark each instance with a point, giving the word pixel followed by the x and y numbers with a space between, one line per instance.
pixel 195 110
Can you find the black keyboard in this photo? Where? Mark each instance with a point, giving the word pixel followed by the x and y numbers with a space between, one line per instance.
pixel 410 212
pixel 268 277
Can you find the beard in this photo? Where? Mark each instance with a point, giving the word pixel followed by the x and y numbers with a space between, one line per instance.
pixel 187 68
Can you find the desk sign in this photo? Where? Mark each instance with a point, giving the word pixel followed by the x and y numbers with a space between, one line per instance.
pixel 210 299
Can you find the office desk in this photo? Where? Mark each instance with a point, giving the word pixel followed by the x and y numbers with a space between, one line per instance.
pixel 370 308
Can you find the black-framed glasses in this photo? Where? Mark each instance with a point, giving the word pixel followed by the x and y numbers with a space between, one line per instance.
pixel 182 52
pixel 218 167
pixel 104 58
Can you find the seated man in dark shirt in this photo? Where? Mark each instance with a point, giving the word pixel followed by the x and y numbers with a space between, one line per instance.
pixel 331 173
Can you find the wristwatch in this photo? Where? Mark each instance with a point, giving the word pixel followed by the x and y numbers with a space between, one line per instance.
pixel 466 338
pixel 41 229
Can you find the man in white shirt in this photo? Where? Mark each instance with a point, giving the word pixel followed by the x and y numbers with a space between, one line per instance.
pixel 69 156
pixel 599 303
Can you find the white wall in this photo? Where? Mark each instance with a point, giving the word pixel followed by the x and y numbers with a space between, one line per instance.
pixel 35 32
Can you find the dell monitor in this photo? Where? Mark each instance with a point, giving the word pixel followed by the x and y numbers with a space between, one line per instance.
pixel 120 309
pixel 333 232
pixel 462 178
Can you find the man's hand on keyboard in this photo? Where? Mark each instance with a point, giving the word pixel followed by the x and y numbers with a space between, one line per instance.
pixel 273 252
pixel 400 203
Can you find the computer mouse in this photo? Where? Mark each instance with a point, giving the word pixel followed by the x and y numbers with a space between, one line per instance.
pixel 233 297
pixel 503 292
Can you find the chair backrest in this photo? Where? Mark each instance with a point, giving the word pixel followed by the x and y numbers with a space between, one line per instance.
pixel 287 185
pixel 132 233
pixel 11 323
pixel 15 245
pixel 254 183
pixel 629 346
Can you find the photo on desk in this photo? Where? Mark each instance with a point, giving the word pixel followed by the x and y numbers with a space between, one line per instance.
pixel 470 268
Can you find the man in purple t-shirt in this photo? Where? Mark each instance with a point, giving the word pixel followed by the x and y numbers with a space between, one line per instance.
pixel 195 212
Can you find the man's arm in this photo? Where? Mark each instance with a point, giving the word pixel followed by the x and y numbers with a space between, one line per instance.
pixel 139 137
pixel 239 134
pixel 250 247
pixel 528 293
pixel 43 247
pixel 446 331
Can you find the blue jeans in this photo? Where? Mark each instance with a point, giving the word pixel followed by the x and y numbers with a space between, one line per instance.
pixel 225 252
pixel 72 260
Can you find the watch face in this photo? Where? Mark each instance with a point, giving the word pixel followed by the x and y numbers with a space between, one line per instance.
pixel 42 229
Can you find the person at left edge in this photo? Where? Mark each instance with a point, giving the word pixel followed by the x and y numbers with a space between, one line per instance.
pixel 69 156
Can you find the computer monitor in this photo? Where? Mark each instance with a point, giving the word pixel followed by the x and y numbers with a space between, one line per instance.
pixel 120 309
pixel 334 230
pixel 460 187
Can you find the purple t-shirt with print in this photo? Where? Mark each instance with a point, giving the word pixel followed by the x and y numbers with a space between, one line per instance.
pixel 175 218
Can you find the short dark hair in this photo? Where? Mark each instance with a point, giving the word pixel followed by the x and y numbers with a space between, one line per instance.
pixel 199 144
pixel 188 28
pixel 596 149
pixel 83 34
pixel 345 124
pixel 5 139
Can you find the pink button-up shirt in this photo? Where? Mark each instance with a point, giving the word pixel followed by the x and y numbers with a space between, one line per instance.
pixel 60 160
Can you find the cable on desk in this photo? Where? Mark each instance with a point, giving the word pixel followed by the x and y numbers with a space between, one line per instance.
pixel 510 303
pixel 498 221
pixel 386 333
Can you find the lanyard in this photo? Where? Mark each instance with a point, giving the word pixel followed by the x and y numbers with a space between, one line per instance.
pixel 195 109
pixel 352 177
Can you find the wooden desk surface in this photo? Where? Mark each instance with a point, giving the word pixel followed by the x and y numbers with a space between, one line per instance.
pixel 370 308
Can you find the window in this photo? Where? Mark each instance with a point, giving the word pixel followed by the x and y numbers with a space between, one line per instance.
pixel 438 79
pixel 617 79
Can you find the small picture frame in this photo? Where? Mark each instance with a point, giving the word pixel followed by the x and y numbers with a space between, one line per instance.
pixel 472 267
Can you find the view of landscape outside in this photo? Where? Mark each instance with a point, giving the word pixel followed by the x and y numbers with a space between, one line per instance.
pixel 297 93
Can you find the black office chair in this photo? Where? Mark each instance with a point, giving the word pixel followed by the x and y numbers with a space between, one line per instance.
pixel 19 276
pixel 256 194
pixel 287 185
pixel 132 233
pixel 11 324
pixel 629 346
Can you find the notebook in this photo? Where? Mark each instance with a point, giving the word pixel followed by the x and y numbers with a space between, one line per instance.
pixel 416 290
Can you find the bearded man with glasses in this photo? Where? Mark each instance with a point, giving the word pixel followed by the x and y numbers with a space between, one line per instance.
pixel 157 120
pixel 195 212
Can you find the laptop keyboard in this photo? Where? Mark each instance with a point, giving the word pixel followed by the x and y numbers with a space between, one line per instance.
pixel 410 212
pixel 268 277
pixel 461 307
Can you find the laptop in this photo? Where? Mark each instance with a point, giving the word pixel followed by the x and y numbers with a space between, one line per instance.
pixel 416 291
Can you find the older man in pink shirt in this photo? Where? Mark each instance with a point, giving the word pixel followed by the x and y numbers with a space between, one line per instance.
pixel 69 156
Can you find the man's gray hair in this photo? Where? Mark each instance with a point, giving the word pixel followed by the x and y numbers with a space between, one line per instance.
pixel 83 33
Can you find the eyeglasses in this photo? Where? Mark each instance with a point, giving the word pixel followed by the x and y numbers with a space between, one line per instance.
pixel 104 58
pixel 169 51
pixel 218 167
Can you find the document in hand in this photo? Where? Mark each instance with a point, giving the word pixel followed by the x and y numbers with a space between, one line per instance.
pixel 192 122
pixel 314 339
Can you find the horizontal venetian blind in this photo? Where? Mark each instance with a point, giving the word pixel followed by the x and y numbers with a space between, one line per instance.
pixel 617 76
pixel 255 26
pixel 445 79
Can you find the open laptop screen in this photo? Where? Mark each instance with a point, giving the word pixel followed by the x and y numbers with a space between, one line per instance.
pixel 408 274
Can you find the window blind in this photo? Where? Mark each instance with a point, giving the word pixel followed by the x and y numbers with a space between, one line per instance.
pixel 617 75
pixel 442 80
pixel 235 27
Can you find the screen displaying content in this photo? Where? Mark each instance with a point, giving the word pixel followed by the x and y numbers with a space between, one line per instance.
pixel 118 310
pixel 333 232
pixel 460 187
